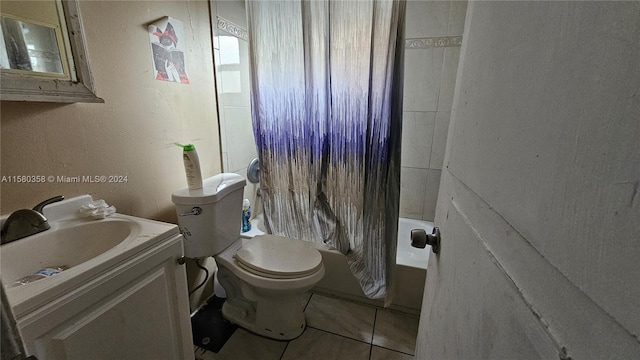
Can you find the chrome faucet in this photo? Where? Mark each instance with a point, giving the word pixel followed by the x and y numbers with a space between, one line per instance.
pixel 25 222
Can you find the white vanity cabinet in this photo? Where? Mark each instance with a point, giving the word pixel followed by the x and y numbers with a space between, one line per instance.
pixel 136 309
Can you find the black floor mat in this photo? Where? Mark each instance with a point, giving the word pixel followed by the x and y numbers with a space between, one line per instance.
pixel 210 329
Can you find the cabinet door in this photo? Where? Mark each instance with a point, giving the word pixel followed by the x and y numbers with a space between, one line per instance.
pixel 147 317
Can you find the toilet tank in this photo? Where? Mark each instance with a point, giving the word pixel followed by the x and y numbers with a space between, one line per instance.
pixel 210 218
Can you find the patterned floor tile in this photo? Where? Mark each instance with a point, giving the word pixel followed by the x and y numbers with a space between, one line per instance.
pixel 305 299
pixel 244 345
pixel 341 317
pixel 378 353
pixel 319 345
pixel 396 331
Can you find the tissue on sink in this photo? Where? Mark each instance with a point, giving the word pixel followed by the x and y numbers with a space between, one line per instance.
pixel 98 209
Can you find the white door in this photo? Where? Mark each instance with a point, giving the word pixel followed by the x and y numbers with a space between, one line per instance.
pixel 539 205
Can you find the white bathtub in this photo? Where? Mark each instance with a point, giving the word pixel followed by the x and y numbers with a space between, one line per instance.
pixel 411 269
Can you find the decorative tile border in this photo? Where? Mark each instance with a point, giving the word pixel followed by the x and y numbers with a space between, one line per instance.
pixel 233 29
pixel 425 43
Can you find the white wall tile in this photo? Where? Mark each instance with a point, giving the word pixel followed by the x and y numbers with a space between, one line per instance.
pixel 448 78
pixel 213 5
pixel 233 88
pixel 422 72
pixel 456 17
pixel 233 10
pixel 429 77
pixel 417 136
pixel 234 81
pixel 216 41
pixel 426 18
pixel 431 194
pixel 413 184
pixel 221 116
pixel 225 161
pixel 241 146
pixel 223 135
pixel 439 139
pixel 216 63
pixel 230 82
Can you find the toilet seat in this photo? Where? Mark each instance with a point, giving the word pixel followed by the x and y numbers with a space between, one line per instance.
pixel 278 257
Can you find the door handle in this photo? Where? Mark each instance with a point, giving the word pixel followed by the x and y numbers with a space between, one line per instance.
pixel 420 239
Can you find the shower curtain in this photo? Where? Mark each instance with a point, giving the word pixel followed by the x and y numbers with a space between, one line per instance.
pixel 326 109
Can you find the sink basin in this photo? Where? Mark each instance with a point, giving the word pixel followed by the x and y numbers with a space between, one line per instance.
pixel 87 247
pixel 64 246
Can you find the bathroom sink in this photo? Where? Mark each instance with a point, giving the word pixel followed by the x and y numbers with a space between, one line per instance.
pixel 87 247
pixel 66 246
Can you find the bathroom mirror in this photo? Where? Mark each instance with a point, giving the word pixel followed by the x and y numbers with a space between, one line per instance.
pixel 26 46
pixel 43 53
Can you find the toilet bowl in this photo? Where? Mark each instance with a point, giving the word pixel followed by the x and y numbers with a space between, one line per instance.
pixel 264 291
pixel 264 277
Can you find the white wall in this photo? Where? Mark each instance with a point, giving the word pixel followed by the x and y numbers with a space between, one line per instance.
pixel 433 29
pixel 133 132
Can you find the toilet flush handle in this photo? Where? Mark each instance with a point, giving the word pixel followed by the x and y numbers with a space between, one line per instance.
pixel 196 210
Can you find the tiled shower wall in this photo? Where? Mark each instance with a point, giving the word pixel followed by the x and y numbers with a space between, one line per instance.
pixel 432 48
pixel 231 56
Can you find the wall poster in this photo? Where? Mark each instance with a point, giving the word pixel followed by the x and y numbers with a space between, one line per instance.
pixel 167 50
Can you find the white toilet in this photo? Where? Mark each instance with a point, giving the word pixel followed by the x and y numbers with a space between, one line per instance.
pixel 264 277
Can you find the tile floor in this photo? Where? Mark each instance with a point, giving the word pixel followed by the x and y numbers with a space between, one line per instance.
pixel 336 329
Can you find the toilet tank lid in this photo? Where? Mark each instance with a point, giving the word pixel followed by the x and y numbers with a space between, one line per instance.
pixel 213 189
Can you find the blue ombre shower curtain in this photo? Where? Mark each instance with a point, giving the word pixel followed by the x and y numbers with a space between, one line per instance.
pixel 326 109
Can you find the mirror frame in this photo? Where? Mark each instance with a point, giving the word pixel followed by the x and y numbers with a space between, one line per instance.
pixel 26 87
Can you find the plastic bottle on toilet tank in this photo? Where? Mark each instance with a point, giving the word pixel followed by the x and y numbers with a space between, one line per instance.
pixel 191 166
pixel 246 215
